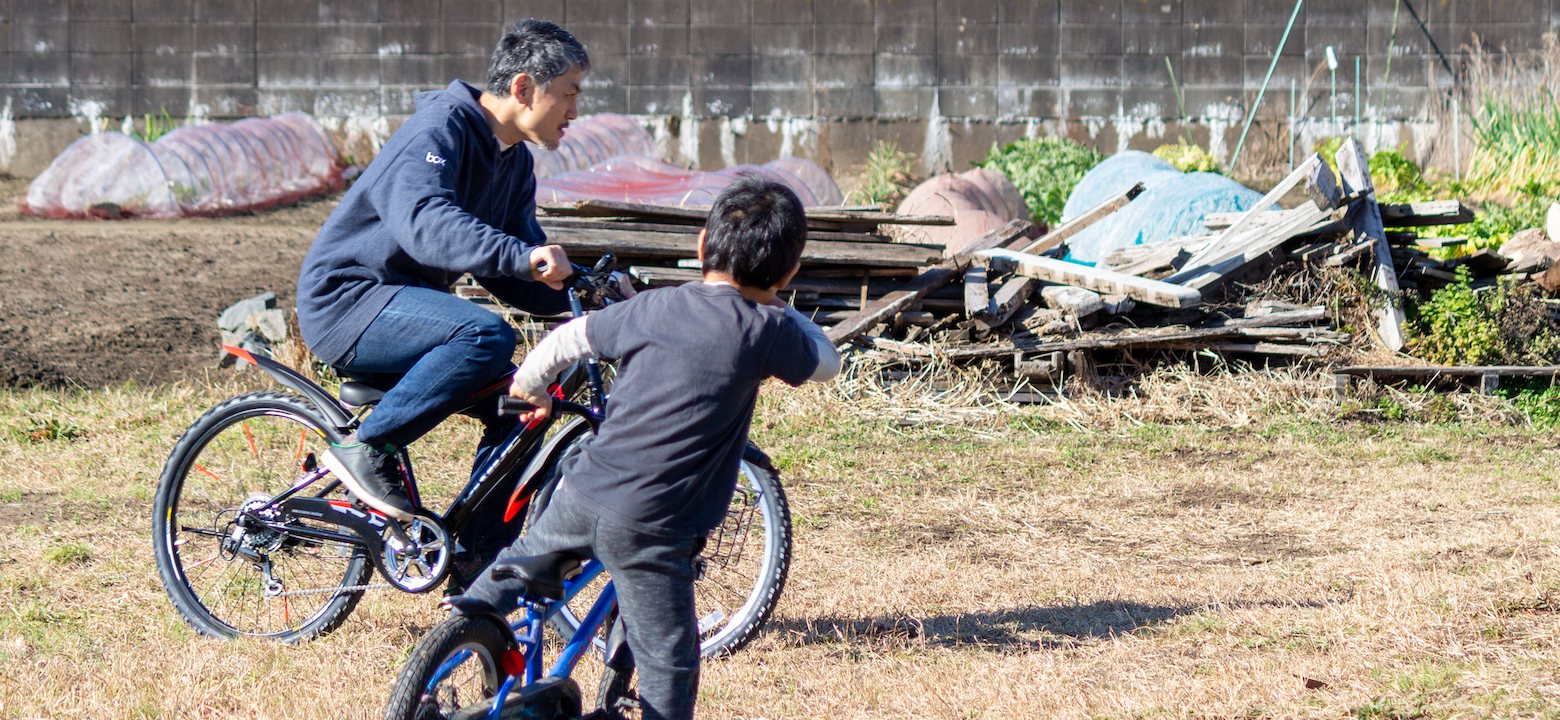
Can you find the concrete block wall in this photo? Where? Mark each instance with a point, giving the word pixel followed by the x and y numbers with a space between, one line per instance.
pixel 1102 70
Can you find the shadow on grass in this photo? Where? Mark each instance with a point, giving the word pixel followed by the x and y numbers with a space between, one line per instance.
pixel 1019 629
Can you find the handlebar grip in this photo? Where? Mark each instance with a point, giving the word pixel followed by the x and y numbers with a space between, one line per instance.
pixel 510 406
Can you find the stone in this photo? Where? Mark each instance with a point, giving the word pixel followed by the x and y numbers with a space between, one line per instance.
pixel 1076 300
pixel 271 324
pixel 1531 248
pixel 236 317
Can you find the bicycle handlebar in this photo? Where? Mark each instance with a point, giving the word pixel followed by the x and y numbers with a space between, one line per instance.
pixel 510 406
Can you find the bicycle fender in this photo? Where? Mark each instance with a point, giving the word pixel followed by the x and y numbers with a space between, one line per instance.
pixel 752 454
pixel 295 381
pixel 531 478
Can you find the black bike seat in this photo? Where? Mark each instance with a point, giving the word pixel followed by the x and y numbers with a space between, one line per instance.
pixel 358 394
pixel 542 574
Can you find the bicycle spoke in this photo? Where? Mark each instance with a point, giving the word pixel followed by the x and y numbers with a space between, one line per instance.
pixel 203 562
pixel 251 438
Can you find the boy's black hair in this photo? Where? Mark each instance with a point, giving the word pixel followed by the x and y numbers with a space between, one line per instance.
pixel 537 48
pixel 755 232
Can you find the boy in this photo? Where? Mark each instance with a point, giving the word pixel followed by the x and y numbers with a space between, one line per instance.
pixel 645 491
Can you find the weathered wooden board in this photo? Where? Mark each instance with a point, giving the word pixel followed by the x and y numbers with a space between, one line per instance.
pixel 1099 280
pixel 928 281
pixel 1074 226
pixel 548 223
pixel 1365 219
pixel 611 208
pixel 1008 299
pixel 1232 234
pixel 632 243
pixel 1422 214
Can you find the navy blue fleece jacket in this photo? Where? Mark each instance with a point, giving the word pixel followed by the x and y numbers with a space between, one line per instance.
pixel 440 200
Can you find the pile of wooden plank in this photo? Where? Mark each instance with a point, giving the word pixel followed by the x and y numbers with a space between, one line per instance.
pixel 849 261
pixel 1007 296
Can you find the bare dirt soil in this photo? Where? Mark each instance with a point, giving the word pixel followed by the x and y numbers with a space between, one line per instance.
pixel 88 303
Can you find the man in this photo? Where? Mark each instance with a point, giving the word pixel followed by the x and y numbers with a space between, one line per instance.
pixel 451 193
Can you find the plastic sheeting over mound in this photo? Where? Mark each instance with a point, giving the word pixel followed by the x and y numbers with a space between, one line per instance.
pixel 980 201
pixel 593 139
pixel 193 170
pixel 1172 205
pixel 643 179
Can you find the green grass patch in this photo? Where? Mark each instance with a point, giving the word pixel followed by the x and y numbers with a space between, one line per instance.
pixel 1045 170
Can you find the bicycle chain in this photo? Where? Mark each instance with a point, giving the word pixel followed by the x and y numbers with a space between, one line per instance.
pixel 343 590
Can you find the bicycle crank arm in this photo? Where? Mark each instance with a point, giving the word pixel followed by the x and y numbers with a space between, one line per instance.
pixel 419 564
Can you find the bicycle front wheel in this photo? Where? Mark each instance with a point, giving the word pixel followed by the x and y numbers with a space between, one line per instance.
pixel 743 567
pixel 226 579
pixel 456 667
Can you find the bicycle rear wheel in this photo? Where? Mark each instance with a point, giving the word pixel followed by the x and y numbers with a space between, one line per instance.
pixel 744 564
pixel 227 580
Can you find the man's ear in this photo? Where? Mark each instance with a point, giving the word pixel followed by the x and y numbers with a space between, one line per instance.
pixel 519 86
pixel 701 246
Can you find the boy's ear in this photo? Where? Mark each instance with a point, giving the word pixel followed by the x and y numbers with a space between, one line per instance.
pixel 789 276
pixel 701 246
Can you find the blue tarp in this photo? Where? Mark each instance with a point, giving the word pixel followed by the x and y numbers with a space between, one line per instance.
pixel 1174 204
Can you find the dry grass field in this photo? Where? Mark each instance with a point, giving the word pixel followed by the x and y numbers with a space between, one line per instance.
pixel 1235 546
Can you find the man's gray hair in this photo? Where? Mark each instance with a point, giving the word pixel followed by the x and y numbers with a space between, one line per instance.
pixel 538 48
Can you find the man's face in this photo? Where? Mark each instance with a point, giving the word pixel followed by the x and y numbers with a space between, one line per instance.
pixel 543 118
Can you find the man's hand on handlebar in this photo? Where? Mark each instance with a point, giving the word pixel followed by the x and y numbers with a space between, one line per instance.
pixel 550 264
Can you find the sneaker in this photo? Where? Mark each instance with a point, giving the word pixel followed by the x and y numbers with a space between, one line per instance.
pixel 373 475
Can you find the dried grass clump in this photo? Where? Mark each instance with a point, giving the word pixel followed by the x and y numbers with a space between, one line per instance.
pixel 870 387
pixel 1516 124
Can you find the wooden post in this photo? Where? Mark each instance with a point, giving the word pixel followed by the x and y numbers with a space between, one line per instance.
pixel 977 296
pixel 1365 219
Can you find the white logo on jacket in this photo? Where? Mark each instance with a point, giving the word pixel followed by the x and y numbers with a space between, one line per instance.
pixel 435 159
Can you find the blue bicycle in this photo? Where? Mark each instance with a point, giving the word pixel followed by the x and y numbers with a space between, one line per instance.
pixel 476 665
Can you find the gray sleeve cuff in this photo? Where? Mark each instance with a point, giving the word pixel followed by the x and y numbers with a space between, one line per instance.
pixel 564 346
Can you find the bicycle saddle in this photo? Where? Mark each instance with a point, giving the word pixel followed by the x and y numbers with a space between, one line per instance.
pixel 542 575
pixel 358 394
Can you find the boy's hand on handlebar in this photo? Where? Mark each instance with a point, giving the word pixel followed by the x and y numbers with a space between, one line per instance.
pixel 542 405
pixel 550 264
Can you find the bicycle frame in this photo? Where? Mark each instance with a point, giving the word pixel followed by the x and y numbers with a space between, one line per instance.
pixel 521 446
pixel 531 640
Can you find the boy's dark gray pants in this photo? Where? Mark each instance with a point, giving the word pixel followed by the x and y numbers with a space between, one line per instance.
pixel 654 578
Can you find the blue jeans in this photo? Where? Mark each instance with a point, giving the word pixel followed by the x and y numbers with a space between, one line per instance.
pixel 434 352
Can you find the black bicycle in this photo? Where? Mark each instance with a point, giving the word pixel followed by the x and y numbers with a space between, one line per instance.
pixel 254 536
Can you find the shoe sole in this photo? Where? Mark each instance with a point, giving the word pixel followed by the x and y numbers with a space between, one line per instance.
pixel 363 495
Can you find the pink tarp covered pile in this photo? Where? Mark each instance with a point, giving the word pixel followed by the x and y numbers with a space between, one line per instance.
pixel 193 170
pixel 643 179
pixel 610 157
pixel 593 139
pixel 980 200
